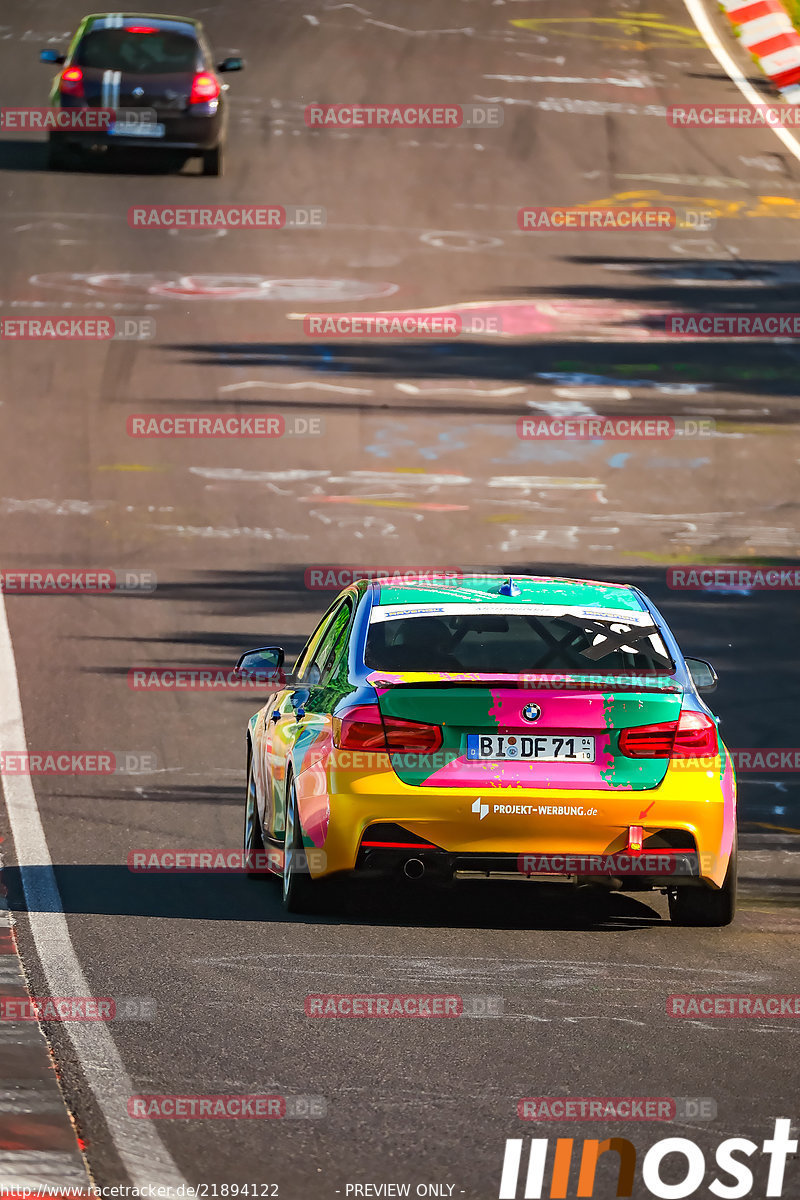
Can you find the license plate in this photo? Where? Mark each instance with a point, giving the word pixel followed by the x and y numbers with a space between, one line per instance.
pixel 527 748
pixel 137 129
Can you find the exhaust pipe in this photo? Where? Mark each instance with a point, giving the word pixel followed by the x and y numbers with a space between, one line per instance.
pixel 413 868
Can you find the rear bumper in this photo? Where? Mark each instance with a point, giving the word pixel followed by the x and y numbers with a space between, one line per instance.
pixel 467 825
pixel 188 133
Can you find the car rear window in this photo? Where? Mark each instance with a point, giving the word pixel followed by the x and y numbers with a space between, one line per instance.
pixel 512 643
pixel 158 53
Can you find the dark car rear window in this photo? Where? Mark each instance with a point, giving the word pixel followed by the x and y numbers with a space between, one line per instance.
pixel 511 645
pixel 159 53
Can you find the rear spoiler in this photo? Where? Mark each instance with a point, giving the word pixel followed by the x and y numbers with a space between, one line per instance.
pixel 630 681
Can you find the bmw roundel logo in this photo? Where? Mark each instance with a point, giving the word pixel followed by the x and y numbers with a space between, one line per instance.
pixel 531 712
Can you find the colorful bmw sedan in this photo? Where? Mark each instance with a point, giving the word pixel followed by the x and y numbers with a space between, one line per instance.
pixel 526 728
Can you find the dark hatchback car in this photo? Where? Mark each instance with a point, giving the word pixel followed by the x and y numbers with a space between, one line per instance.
pixel 157 75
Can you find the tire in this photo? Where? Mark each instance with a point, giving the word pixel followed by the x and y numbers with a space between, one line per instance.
pixel 58 156
pixel 213 161
pixel 301 894
pixel 706 906
pixel 253 835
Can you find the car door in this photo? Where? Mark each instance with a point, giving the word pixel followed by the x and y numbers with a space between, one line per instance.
pixel 279 721
pixel 327 680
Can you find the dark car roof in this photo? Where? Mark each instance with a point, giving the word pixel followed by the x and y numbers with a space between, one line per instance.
pixel 170 24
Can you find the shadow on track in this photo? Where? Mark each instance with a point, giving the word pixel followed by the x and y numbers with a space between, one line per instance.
pixel 114 890
pixel 22 154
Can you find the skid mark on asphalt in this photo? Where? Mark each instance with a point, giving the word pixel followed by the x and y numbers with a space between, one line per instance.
pixel 557 974
pixel 526 318
pixel 373 502
pixel 216 287
pixel 303 385
pixel 412 389
pixel 585 108
pixel 615 31
pixel 54 508
pixel 632 80
pixel 227 533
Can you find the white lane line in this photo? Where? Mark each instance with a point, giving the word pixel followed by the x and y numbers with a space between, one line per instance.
pixel 701 19
pixel 36 1169
pixel 139 1147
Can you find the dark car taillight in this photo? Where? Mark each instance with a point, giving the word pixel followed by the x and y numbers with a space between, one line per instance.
pixel 71 82
pixel 205 87
pixel 363 728
pixel 693 736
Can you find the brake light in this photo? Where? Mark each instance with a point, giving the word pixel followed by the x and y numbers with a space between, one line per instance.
pixel 694 735
pixel 140 29
pixel 205 87
pixel 71 83
pixel 360 728
pixel 649 741
pixel 363 728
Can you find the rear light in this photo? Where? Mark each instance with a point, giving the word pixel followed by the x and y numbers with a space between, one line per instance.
pixel 71 83
pixel 694 735
pixel 140 29
pixel 363 728
pixel 360 728
pixel 205 87
pixel 648 741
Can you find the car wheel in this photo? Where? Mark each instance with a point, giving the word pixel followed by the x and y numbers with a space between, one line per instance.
pixel 58 156
pixel 301 894
pixel 212 161
pixel 704 906
pixel 253 835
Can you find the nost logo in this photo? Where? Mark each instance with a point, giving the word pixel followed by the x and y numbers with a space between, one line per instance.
pixel 691 1164
pixel 480 809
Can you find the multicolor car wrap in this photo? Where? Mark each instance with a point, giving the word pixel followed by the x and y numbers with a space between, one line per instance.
pixel 461 808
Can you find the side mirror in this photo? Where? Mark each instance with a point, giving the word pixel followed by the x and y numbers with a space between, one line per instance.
pixel 51 56
pixel 703 674
pixel 262 666
pixel 231 64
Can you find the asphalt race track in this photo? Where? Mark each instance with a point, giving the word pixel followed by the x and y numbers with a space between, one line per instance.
pixel 418 464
